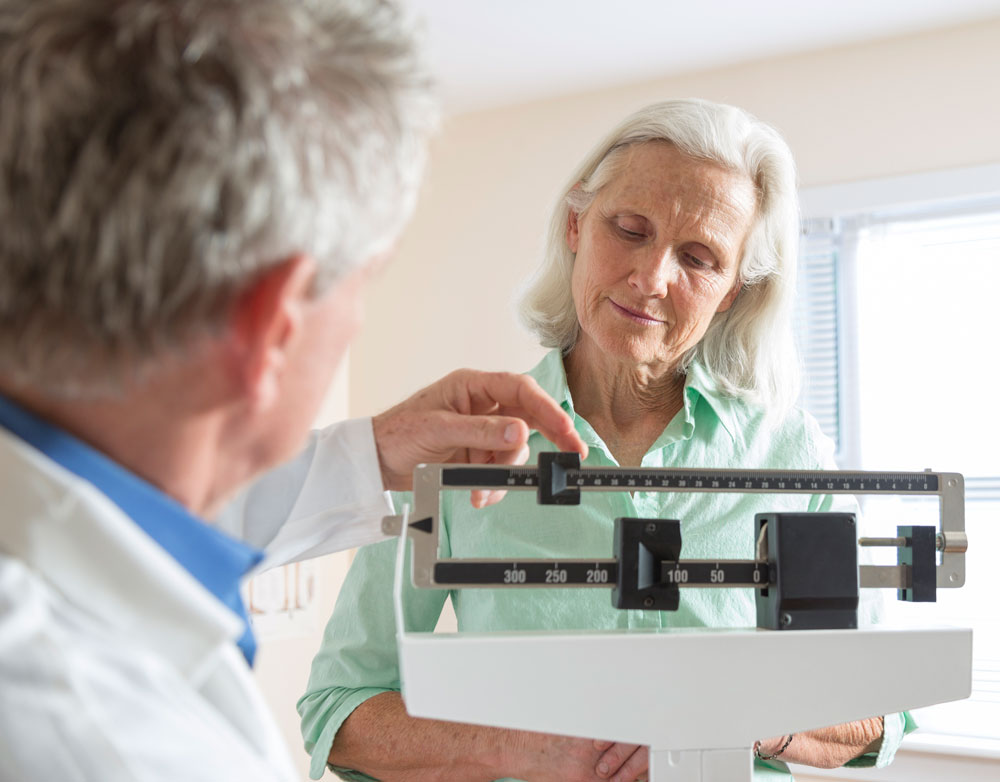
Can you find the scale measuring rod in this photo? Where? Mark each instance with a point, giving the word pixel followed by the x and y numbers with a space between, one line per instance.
pixel 647 570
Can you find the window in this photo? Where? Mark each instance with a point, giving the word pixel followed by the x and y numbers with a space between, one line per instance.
pixel 898 325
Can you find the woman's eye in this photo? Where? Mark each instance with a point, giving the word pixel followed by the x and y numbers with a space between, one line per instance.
pixel 697 262
pixel 632 232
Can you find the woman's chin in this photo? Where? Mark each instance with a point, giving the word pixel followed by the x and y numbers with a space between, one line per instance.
pixel 636 353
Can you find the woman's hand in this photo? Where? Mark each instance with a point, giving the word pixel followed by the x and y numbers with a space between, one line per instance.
pixel 540 757
pixel 622 762
pixel 828 747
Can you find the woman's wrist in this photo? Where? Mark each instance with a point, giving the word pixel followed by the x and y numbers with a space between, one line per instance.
pixel 825 747
pixel 771 749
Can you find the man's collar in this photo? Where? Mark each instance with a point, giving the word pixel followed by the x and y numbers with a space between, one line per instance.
pixel 96 558
pixel 217 561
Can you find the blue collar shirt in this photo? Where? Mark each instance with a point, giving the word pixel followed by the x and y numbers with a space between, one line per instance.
pixel 219 563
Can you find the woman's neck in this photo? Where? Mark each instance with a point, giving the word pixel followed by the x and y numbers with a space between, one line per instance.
pixel 629 406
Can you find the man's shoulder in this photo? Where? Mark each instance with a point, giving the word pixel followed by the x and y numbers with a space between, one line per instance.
pixel 45 635
pixel 24 609
pixel 79 700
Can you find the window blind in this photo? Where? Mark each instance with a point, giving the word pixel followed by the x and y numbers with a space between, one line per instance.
pixel 817 325
pixel 922 281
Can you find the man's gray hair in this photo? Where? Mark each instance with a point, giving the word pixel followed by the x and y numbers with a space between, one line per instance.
pixel 749 349
pixel 157 155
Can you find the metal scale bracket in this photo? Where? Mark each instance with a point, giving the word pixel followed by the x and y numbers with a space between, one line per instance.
pixel 805 571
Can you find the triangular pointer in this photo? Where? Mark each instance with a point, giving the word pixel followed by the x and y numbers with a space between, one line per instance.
pixel 424 525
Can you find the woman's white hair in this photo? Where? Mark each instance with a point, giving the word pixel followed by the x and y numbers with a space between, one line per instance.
pixel 157 155
pixel 749 349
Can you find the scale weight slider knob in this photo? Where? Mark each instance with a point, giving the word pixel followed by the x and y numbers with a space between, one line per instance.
pixel 553 487
pixel 919 557
pixel 812 561
pixel 641 548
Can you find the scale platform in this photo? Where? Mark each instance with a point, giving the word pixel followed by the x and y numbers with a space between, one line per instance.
pixel 698 698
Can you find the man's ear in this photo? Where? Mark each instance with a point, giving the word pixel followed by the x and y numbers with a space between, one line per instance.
pixel 265 323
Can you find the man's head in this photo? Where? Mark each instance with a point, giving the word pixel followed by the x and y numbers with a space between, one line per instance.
pixel 191 195
pixel 158 157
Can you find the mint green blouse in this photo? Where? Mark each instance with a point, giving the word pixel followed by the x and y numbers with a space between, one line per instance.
pixel 358 656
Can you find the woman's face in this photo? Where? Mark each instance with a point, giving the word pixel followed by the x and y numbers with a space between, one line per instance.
pixel 657 255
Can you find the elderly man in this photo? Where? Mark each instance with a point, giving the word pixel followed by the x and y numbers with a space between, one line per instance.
pixel 192 197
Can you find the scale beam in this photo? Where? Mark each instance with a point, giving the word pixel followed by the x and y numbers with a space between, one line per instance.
pixel 692 480
pixel 559 480
pixel 595 573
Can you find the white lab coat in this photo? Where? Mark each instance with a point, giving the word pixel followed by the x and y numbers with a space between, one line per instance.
pixel 116 665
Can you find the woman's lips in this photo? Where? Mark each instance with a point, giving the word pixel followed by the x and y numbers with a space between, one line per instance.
pixel 638 317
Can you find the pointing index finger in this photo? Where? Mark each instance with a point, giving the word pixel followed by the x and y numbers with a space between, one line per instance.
pixel 521 395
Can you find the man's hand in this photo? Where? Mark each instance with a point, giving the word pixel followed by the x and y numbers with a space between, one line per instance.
pixel 469 417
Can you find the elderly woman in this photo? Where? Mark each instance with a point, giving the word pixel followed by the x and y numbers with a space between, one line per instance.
pixel 665 296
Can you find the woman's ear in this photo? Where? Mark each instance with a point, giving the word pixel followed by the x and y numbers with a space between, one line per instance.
pixel 730 297
pixel 266 321
pixel 573 230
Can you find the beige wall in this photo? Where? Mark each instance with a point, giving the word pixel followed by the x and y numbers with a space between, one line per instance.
pixel 284 659
pixel 906 105
pixel 912 104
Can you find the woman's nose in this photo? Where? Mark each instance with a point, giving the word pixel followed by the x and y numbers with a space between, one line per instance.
pixel 654 273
